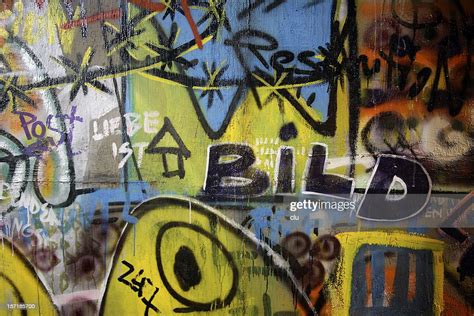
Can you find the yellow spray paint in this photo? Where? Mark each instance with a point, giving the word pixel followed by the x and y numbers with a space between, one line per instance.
pixel 20 284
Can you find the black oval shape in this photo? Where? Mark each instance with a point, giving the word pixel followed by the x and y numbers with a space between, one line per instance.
pixel 186 268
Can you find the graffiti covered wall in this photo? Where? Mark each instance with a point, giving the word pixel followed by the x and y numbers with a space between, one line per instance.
pixel 224 157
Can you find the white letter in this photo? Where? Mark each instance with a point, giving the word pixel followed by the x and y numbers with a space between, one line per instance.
pixel 149 123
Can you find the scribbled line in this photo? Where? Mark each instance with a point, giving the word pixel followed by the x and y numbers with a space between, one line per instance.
pixel 145 4
pixel 160 7
pixel 187 13
pixel 153 65
pixel 149 65
pixel 254 5
pixel 112 14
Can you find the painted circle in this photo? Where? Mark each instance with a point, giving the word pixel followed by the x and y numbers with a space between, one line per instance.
pixel 193 305
pixel 297 244
pixel 326 247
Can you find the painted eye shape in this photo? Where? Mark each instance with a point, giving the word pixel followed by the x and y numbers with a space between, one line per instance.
pixel 200 262
pixel 297 244
pixel 185 257
pixel 326 247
